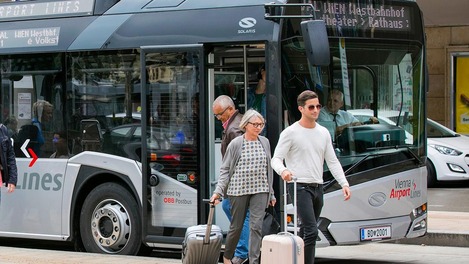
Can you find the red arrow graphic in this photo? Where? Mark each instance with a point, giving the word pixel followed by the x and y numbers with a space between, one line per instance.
pixel 30 150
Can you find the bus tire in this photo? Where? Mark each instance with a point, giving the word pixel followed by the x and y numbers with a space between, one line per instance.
pixel 110 221
pixel 432 180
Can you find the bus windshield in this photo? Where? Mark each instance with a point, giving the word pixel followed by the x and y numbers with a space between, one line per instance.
pixel 378 88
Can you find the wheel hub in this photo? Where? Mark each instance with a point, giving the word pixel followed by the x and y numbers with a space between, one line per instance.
pixel 110 226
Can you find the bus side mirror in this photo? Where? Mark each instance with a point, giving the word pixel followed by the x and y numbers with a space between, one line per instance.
pixel 316 42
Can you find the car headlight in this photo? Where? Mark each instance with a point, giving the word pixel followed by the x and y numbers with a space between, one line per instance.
pixel 445 150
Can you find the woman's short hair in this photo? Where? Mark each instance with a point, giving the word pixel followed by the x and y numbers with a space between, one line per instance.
pixel 247 116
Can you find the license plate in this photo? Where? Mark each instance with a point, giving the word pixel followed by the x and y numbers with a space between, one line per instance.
pixel 375 233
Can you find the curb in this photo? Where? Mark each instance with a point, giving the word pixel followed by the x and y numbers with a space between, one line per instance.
pixel 444 229
pixel 438 239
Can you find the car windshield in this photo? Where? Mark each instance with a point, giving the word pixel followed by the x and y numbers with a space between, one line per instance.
pixel 435 130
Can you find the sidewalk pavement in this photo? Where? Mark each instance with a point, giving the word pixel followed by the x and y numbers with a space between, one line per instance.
pixel 444 229
pixel 15 255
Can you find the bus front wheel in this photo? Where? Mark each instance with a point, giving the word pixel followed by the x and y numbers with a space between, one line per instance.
pixel 110 222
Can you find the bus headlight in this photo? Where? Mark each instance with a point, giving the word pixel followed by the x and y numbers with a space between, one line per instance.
pixel 419 211
pixel 416 213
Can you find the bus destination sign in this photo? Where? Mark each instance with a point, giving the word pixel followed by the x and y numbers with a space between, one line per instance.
pixel 353 15
pixel 33 37
pixel 34 9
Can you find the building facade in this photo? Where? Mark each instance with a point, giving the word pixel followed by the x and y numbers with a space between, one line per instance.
pixel 447 30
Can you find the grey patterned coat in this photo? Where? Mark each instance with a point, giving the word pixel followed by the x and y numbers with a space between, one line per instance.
pixel 232 155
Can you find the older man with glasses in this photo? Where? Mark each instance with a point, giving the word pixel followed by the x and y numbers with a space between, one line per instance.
pixel 224 110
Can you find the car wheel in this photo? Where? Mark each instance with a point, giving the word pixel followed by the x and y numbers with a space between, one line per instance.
pixel 110 222
pixel 432 180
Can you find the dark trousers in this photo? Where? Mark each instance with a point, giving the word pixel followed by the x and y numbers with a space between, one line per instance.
pixel 310 201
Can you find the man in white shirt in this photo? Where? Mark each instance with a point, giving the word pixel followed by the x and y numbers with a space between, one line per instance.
pixel 304 146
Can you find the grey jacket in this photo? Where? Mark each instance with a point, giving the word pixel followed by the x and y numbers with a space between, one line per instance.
pixel 233 154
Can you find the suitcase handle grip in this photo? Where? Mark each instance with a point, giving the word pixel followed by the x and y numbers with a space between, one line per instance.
pixel 207 201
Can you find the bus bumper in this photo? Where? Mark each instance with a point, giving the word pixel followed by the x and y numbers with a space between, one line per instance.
pixel 352 233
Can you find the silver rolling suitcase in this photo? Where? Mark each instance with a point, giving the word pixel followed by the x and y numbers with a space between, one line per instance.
pixel 284 247
pixel 202 243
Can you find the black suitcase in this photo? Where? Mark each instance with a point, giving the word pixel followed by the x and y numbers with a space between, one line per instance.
pixel 202 243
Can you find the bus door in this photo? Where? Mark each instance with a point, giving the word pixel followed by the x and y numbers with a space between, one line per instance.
pixel 173 149
pixel 235 71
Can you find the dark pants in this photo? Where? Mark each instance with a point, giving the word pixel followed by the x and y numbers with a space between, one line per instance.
pixel 310 202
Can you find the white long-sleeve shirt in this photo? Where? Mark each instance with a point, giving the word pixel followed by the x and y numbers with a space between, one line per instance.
pixel 304 151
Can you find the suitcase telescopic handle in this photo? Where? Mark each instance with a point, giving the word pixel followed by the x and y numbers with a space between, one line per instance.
pixel 211 212
pixel 294 203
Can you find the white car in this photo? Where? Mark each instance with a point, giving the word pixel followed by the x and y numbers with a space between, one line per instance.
pixel 447 151
pixel 447 154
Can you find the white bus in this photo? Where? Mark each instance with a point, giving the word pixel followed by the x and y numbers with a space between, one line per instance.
pixel 131 85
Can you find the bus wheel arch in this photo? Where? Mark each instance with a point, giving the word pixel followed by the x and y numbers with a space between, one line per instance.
pixel 110 221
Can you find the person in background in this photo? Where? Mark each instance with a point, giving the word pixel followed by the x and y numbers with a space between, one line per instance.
pixel 224 110
pixel 8 169
pixel 42 113
pixel 12 126
pixel 246 178
pixel 60 143
pixel 257 97
pixel 195 118
pixel 333 112
pixel 301 151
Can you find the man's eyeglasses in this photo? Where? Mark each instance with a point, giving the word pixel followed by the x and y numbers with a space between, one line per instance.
pixel 220 114
pixel 257 125
pixel 311 107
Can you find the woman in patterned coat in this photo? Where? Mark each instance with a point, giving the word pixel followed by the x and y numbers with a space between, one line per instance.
pixel 246 178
